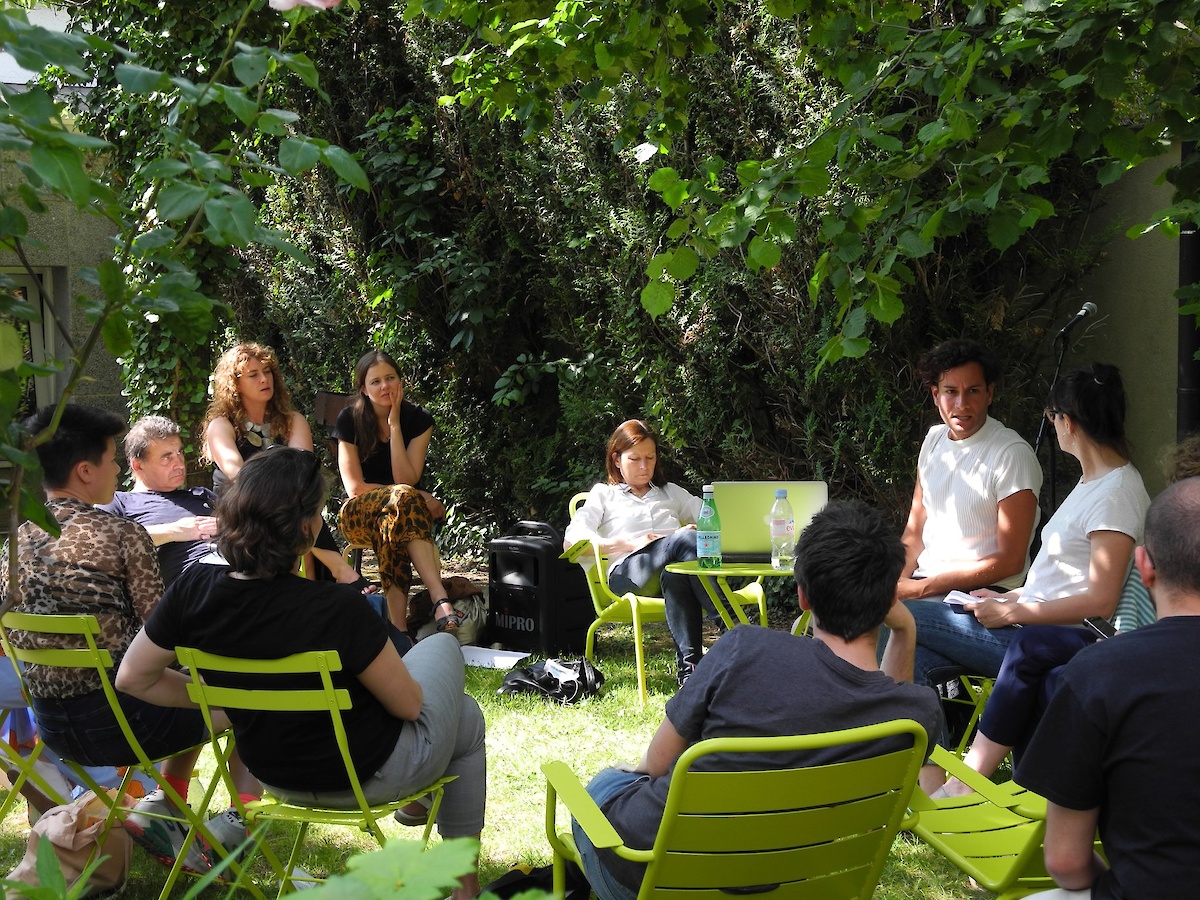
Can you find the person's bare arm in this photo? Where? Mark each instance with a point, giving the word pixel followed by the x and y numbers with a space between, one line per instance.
pixel 350 468
pixel 1070 859
pixel 408 463
pixel 1015 517
pixel 189 528
pixel 146 674
pixel 902 643
pixel 913 530
pixel 301 435
pixel 220 445
pixel 664 749
pixel 1108 567
pixel 388 679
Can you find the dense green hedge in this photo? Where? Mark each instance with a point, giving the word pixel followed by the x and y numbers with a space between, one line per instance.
pixel 505 275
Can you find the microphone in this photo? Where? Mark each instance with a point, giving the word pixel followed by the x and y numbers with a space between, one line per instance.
pixel 1088 309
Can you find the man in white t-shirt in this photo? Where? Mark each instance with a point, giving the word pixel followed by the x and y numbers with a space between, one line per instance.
pixel 975 504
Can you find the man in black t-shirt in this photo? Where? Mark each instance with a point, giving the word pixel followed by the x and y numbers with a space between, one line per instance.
pixel 1116 747
pixel 180 520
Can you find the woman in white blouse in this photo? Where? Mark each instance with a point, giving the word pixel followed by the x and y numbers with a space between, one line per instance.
pixel 642 524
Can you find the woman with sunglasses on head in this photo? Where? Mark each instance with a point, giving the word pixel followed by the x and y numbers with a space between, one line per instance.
pixel 382 442
pixel 251 411
pixel 1079 571
pixel 410 721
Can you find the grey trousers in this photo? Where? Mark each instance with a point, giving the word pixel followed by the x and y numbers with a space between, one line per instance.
pixel 446 739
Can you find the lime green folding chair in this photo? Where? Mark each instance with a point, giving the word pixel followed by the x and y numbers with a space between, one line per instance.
pixel 628 608
pixel 20 754
pixel 994 835
pixel 269 697
pixel 807 833
pixel 82 631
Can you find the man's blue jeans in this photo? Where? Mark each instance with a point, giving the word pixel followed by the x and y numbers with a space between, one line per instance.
pixel 948 642
pixel 642 573
pixel 606 785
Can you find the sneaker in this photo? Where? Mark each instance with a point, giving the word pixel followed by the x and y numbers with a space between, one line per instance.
pixel 163 837
pixel 229 829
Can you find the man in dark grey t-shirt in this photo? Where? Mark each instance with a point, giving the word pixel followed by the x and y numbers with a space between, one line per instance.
pixel 755 681
pixel 181 521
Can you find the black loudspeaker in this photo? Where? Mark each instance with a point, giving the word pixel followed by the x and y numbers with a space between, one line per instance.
pixel 537 602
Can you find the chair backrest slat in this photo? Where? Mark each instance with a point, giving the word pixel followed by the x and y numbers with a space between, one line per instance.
pixel 816 831
pixel 327 698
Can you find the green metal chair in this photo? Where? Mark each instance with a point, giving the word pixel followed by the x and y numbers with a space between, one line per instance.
pixel 21 767
pixel 628 608
pixel 269 697
pixel 83 631
pixel 818 832
pixel 994 835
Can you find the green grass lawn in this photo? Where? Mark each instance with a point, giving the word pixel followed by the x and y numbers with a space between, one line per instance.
pixel 524 731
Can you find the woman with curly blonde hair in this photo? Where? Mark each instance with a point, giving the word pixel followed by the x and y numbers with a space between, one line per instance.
pixel 251 410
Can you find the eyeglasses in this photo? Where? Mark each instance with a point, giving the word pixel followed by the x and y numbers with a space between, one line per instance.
pixel 1053 414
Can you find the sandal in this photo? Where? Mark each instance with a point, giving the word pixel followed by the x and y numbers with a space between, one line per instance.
pixel 366 587
pixel 450 622
pixel 414 820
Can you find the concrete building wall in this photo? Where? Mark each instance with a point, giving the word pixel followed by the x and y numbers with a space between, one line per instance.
pixel 1137 323
pixel 61 241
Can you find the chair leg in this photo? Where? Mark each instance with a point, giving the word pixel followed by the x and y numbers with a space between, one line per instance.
pixel 639 652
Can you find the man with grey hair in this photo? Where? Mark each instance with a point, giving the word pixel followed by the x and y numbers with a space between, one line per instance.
pixel 179 520
pixel 1116 747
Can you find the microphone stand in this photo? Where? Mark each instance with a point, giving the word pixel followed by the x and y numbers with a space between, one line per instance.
pixel 1063 340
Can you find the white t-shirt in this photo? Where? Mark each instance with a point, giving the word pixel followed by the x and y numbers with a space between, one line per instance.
pixel 613 510
pixel 962 484
pixel 1115 502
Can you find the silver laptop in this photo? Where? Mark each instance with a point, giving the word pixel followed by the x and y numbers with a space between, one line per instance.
pixel 745 507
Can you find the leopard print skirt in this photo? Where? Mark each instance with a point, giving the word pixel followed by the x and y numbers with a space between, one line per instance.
pixel 387 518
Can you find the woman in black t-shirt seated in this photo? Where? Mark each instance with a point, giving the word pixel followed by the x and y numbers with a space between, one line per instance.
pixel 410 722
pixel 382 442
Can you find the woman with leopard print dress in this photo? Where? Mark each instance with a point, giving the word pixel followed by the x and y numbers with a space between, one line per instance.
pixel 382 442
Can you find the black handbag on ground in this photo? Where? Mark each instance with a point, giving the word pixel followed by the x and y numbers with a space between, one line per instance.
pixel 565 680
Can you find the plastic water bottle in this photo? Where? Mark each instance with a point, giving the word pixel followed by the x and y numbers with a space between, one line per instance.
pixel 783 532
pixel 708 532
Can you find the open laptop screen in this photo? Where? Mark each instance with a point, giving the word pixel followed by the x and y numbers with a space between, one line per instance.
pixel 745 507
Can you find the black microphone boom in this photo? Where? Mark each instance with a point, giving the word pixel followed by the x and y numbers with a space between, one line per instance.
pixel 1088 309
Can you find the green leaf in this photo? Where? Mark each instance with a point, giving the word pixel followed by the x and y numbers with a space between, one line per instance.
pixel 657 297
pixel 13 223
pixel 250 66
pixel 1003 229
pixel 854 348
pixel 117 337
pixel 12 347
pixel 139 79
pixel 163 167
pixel 155 239
pixel 296 156
pixel 683 263
pixel 663 179
pixel 231 219
pixel 762 254
pixel 63 171
pixel 111 279
pixel 240 105
pixel 347 167
pixel 179 200
pixel 913 244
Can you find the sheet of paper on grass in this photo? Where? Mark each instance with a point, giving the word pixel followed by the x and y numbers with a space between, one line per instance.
pixel 487 658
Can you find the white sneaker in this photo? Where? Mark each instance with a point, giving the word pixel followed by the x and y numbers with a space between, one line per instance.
pixel 229 829
pixel 163 837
